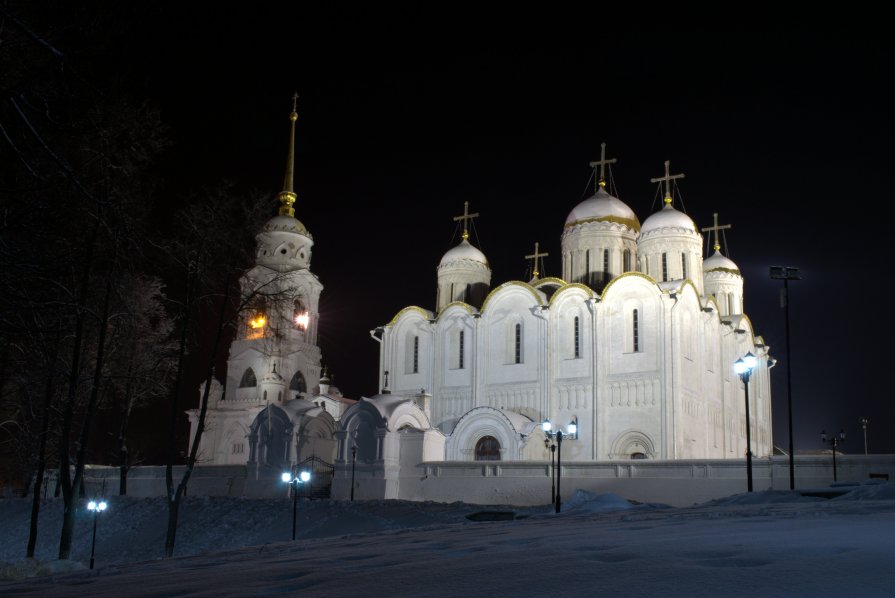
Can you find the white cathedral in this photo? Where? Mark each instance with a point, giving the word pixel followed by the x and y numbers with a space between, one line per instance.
pixel 634 345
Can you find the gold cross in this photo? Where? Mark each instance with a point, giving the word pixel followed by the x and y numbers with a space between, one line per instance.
pixel 716 229
pixel 466 217
pixel 602 162
pixel 535 257
pixel 667 179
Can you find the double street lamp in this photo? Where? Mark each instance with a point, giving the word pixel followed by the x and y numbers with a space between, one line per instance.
pixel 95 507
pixel 570 433
pixel 294 481
pixel 743 367
pixel 834 441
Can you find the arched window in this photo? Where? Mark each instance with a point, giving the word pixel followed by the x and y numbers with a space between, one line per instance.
pixel 298 383
pixel 664 267
pixel 635 330
pixel 638 456
pixel 248 379
pixel 577 338
pixel 684 264
pixel 487 449
pixel 626 260
pixel 416 354
pixel 517 357
pixel 460 350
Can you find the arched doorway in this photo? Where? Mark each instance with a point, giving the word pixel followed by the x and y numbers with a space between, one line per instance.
pixel 487 449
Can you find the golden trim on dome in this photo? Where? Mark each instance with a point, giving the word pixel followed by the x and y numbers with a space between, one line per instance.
pixel 633 224
pixel 470 308
pixel 572 285
pixel 551 280
pixel 511 283
pixel 646 277
pixel 424 312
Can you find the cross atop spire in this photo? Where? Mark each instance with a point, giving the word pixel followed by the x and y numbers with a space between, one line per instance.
pixel 466 218
pixel 534 257
pixel 287 195
pixel 716 229
pixel 602 162
pixel 667 179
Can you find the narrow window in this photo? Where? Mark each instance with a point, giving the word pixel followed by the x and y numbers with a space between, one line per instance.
pixel 684 264
pixel 416 354
pixel 626 257
pixel 518 353
pixel 298 383
pixel 577 338
pixel 606 274
pixel 461 349
pixel 587 266
pixel 635 321
pixel 664 266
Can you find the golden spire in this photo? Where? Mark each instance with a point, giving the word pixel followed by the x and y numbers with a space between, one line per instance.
pixel 466 217
pixel 667 180
pixel 535 257
pixel 716 229
pixel 287 195
pixel 602 162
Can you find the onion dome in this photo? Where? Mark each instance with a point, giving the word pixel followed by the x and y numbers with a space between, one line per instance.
pixel 668 217
pixel 719 263
pixel 287 224
pixel 602 207
pixel 464 252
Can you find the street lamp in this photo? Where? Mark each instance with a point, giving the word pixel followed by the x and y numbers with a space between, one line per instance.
pixel 834 440
pixel 551 448
pixel 96 508
pixel 572 434
pixel 294 481
pixel 743 367
pixel 787 273
pixel 864 421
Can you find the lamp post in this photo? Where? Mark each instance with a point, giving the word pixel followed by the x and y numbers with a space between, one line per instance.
pixel 353 461
pixel 743 367
pixel 787 273
pixel 551 447
pixel 294 481
pixel 570 433
pixel 834 441
pixel 95 507
pixel 864 421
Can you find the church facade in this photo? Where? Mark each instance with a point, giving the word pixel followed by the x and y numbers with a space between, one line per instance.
pixel 630 352
pixel 634 346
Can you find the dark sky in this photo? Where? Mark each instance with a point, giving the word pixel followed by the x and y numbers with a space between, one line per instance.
pixel 403 117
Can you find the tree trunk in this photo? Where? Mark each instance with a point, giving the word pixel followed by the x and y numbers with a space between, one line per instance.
pixel 41 459
pixel 174 505
pixel 68 523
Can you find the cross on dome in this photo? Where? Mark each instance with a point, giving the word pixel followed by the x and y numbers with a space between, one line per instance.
pixel 716 229
pixel 602 162
pixel 667 179
pixel 535 257
pixel 466 218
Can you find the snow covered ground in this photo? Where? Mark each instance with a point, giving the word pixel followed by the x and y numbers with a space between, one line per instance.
pixel 766 543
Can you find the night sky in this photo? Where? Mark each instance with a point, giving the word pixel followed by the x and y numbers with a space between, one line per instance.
pixel 402 118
